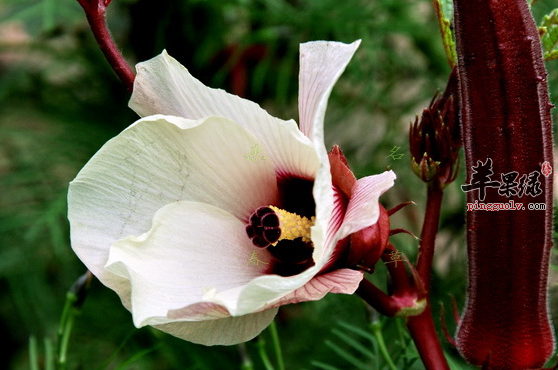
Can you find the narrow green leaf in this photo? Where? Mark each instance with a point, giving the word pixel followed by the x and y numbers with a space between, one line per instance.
pixel 321 365
pixel 353 343
pixel 104 365
pixel 376 327
pixel 137 356
pixel 356 330
pixel 276 346
pixel 263 354
pixel 410 363
pixel 50 356
pixel 357 364
pixel 444 12
pixel 33 353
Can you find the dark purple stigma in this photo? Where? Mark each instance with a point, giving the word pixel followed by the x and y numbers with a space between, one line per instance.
pixel 263 228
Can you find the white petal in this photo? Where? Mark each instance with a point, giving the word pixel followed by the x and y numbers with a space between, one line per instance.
pixel 263 291
pixel 321 64
pixel 363 209
pixel 343 281
pixel 157 161
pixel 226 331
pixel 194 253
pixel 164 86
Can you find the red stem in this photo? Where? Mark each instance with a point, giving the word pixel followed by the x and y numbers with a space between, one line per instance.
pixel 421 327
pixel 95 11
pixel 400 280
pixel 426 340
pixel 377 299
pixel 428 234
pixel 406 296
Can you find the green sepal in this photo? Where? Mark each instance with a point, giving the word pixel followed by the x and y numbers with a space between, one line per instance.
pixel 418 308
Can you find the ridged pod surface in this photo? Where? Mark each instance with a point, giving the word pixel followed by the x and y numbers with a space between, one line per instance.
pixel 505 115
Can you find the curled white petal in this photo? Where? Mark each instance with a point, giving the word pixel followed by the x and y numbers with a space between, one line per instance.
pixel 227 331
pixel 342 281
pixel 321 64
pixel 363 209
pixel 164 86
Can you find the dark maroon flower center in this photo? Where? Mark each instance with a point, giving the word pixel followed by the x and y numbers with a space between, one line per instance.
pixel 263 228
pixel 284 229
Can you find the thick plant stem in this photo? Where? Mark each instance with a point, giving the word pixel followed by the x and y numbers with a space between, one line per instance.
pixel 421 327
pixel 95 11
pixel 407 298
pixel 428 235
pixel 426 340
pixel 377 299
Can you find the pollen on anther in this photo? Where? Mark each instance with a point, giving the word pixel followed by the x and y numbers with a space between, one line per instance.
pixel 268 225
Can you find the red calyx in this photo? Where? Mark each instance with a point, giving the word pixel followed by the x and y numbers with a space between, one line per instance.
pixel 363 249
pixel 368 245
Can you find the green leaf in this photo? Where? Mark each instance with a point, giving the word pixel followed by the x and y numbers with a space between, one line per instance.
pixel 49 355
pixel 444 12
pixel 364 351
pixel 323 366
pixel 33 353
pixel 549 35
pixel 353 360
pixel 358 331
pixel 126 364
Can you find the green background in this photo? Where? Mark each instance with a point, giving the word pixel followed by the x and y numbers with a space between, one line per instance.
pixel 60 101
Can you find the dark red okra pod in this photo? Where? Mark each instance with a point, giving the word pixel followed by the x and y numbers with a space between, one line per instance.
pixel 505 113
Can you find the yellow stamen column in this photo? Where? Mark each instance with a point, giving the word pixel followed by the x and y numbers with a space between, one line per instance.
pixel 293 226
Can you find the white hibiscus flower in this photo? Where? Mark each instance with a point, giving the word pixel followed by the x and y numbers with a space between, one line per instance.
pixel 208 213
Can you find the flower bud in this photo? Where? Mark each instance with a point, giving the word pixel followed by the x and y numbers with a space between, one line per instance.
pixel 365 247
pixel 78 290
pixel 434 139
pixel 368 244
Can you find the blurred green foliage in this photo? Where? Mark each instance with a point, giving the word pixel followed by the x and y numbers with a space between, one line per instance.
pixel 60 101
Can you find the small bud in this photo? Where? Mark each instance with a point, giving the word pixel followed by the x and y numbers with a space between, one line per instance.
pixel 79 289
pixel 434 139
